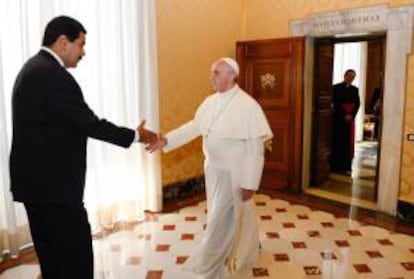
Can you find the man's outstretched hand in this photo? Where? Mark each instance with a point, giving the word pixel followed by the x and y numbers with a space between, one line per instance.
pixel 146 136
pixel 158 144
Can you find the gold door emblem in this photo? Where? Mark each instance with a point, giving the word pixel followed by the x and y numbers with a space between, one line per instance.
pixel 268 80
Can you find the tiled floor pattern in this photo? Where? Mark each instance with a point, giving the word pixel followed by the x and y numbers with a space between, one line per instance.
pixel 297 242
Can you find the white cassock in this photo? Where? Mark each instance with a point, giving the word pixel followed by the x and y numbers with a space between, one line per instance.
pixel 234 129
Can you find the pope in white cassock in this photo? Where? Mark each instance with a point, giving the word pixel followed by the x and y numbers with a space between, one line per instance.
pixel 234 130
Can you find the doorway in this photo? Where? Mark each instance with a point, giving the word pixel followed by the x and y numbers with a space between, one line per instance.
pixel 397 23
pixel 332 138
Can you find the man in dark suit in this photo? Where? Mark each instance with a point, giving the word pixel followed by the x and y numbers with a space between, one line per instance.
pixel 346 104
pixel 51 124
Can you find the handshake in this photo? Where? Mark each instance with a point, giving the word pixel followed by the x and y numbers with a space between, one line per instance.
pixel 150 139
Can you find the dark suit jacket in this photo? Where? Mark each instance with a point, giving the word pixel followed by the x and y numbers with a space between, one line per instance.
pixel 342 94
pixel 51 124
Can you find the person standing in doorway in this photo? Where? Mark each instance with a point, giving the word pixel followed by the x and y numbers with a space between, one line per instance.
pixel 346 104
pixel 375 106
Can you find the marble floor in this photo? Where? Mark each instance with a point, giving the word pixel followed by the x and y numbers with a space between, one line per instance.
pixel 358 187
pixel 297 242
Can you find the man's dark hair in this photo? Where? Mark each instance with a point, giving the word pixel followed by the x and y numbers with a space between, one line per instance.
pixel 62 25
pixel 350 71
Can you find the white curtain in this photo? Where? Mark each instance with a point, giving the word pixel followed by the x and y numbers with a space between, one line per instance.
pixel 353 56
pixel 119 79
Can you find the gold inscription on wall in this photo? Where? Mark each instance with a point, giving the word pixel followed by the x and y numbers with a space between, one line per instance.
pixel 349 21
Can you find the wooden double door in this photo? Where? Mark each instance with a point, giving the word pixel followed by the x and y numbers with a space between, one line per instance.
pixel 272 72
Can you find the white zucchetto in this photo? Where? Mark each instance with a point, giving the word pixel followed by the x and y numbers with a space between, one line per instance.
pixel 232 63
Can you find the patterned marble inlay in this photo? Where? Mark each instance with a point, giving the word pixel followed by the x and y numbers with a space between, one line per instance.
pixel 319 246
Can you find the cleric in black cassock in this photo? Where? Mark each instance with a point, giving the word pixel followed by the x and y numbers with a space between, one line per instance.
pixel 345 107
